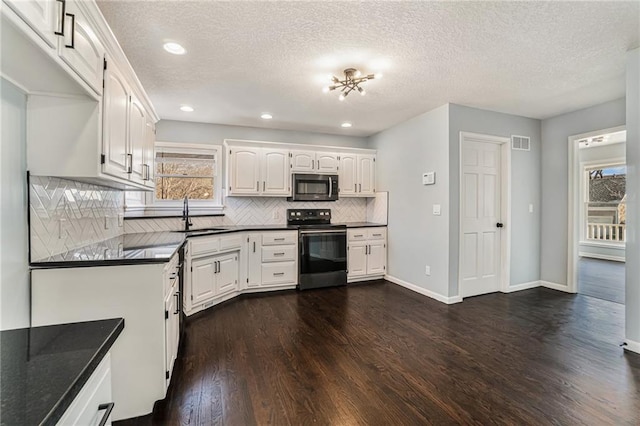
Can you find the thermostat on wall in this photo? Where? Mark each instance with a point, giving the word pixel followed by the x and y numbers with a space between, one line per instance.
pixel 429 178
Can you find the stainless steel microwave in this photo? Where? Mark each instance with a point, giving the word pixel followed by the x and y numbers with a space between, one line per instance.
pixel 308 187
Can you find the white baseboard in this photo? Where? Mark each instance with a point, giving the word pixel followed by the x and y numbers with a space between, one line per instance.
pixel 424 291
pixel 632 346
pixel 523 286
pixel 602 256
pixel 555 286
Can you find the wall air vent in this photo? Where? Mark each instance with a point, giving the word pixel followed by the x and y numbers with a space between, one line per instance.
pixel 520 143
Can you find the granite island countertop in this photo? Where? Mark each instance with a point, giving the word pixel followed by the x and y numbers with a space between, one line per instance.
pixel 42 369
pixel 151 247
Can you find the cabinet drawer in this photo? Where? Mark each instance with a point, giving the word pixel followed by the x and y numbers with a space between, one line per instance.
pixel 230 242
pixel 278 253
pixel 357 234
pixel 84 409
pixel 279 273
pixel 377 233
pixel 204 245
pixel 279 238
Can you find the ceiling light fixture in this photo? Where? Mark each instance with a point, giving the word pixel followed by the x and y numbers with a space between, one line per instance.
pixel 186 108
pixel 352 81
pixel 266 116
pixel 174 48
pixel 346 124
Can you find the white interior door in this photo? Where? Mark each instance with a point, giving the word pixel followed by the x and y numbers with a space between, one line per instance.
pixel 481 213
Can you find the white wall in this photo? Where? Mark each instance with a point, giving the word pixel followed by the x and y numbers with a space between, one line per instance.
pixel 555 134
pixel 632 304
pixel 185 131
pixel 14 264
pixel 525 188
pixel 416 237
pixel 604 154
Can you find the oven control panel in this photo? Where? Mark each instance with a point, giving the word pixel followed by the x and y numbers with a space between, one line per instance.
pixel 299 216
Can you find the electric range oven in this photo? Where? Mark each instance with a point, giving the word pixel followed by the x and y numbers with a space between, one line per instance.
pixel 322 248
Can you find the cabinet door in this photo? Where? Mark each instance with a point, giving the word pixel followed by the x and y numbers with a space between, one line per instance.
pixel 203 279
pixel 244 171
pixel 170 331
pixel 327 162
pixel 254 251
pixel 227 277
pixel 80 47
pixel 357 259
pixel 149 153
pixel 41 15
pixel 376 259
pixel 348 175
pixel 366 174
pixel 137 140
pixel 276 179
pixel 115 123
pixel 303 161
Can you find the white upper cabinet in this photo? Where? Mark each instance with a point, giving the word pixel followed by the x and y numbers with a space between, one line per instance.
pixel 366 175
pixel 314 162
pixel 115 123
pixel 149 153
pixel 43 16
pixel 80 48
pixel 348 176
pixel 276 178
pixel 137 140
pixel 244 171
pixel 303 161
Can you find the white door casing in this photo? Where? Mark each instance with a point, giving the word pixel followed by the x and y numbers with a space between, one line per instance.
pixel 484 247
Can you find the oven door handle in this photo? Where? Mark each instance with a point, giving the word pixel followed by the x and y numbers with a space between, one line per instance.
pixel 330 184
pixel 321 231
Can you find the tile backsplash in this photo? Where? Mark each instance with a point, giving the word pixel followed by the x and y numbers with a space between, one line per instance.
pixel 66 214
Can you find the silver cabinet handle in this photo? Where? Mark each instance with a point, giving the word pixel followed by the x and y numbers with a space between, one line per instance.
pixel 254 246
pixel 355 187
pixel 278 274
pixel 129 163
pixel 360 187
pixel 264 184
pixel 177 295
pixel 73 31
pixel 377 235
pixel 108 409
pixel 330 185
pixel 258 185
pixel 357 235
pixel 278 254
pixel 64 13
pixel 278 239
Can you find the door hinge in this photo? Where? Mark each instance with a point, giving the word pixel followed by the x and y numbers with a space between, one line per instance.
pixel 247 239
pixel 192 297
pixel 192 269
pixel 105 64
pixel 166 375
pixel 103 159
pixel 166 314
pixel 229 152
pixel 384 268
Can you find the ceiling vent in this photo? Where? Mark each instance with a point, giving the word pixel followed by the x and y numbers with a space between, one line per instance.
pixel 520 143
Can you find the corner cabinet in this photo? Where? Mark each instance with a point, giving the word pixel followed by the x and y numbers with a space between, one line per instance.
pixel 256 171
pixel 366 253
pixel 264 169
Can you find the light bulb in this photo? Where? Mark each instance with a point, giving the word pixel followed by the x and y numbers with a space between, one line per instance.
pixel 341 97
pixel 363 92
pixel 266 116
pixel 346 124
pixel 378 75
pixel 357 73
pixel 325 89
pixel 186 108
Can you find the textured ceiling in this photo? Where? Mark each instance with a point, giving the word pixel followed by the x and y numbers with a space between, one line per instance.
pixel 536 59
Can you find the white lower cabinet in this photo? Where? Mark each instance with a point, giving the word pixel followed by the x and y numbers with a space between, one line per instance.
pixel 366 253
pixel 272 260
pixel 94 402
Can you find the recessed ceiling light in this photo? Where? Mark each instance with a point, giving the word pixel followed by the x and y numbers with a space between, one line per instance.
pixel 266 116
pixel 174 48
pixel 346 124
pixel 186 108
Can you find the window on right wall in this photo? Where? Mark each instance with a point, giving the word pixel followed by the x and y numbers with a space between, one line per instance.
pixel 604 218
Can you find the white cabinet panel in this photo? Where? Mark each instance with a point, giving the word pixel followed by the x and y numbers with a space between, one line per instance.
pixel 43 16
pixel 303 161
pixel 279 253
pixel 149 153
pixel 348 174
pixel 172 333
pixel 115 123
pixel 377 233
pixel 204 245
pixel 137 136
pixel 254 255
pixel 80 48
pixel 279 238
pixel 376 259
pixel 327 162
pixel 357 260
pixel 244 171
pixel 203 273
pixel 278 273
pixel 227 275
pixel 366 175
pixel 276 177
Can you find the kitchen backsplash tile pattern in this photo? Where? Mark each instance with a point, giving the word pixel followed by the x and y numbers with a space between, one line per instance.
pixel 66 214
pixel 255 211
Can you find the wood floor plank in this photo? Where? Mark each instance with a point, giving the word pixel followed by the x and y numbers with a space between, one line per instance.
pixel 379 354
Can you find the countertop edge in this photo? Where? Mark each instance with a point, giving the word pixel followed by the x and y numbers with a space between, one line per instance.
pixel 58 410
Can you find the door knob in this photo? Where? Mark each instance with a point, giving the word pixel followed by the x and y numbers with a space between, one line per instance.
pixel 500 225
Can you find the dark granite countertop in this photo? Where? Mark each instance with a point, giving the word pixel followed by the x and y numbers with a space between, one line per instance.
pixel 42 369
pixel 150 247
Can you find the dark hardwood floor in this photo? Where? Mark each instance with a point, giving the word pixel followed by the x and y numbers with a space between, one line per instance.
pixel 603 279
pixel 378 354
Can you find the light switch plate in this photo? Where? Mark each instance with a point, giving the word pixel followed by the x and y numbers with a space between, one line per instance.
pixel 436 209
pixel 429 178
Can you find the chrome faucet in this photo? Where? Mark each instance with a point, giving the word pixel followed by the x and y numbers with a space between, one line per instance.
pixel 185 214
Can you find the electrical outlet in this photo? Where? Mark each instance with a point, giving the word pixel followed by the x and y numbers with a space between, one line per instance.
pixel 276 214
pixel 530 208
pixel 427 270
pixel 61 228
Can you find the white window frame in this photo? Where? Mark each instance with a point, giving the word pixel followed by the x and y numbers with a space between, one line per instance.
pixel 146 202
pixel 585 166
